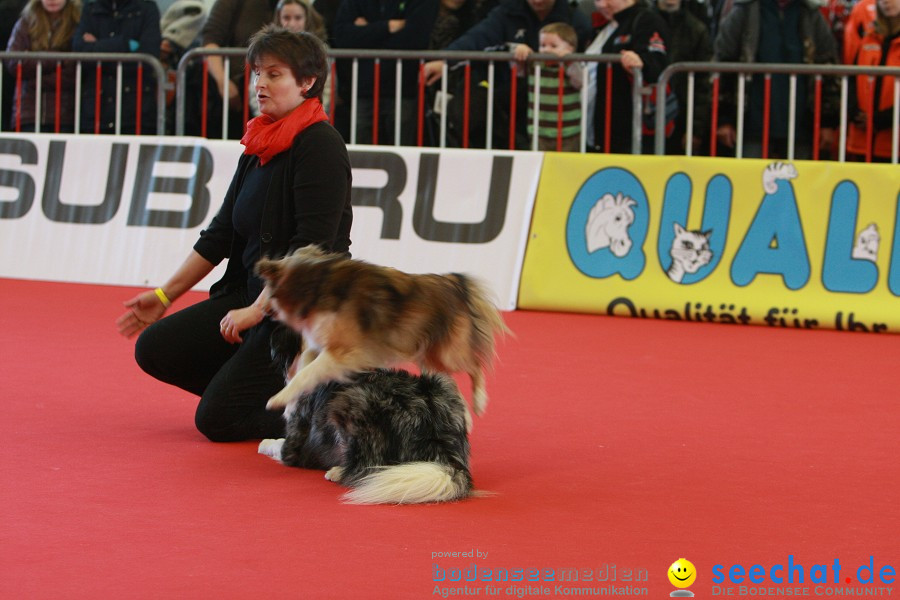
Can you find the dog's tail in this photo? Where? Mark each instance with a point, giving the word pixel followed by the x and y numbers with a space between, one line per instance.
pixel 486 324
pixel 484 312
pixel 411 483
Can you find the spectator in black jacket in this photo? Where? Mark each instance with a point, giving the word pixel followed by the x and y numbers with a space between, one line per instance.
pixel 230 24
pixel 688 42
pixel 455 17
pixel 381 24
pixel 119 26
pixel 641 38
pixel 511 24
pixel 776 31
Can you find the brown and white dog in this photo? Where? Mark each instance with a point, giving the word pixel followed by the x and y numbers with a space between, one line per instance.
pixel 355 316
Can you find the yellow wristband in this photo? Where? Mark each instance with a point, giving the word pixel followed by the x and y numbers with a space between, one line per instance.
pixel 162 297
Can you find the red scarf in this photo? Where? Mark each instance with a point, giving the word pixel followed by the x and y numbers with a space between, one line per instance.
pixel 266 137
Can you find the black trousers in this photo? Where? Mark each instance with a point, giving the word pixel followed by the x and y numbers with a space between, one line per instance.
pixel 234 381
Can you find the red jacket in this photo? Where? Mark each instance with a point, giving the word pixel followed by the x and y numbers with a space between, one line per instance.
pixel 874 50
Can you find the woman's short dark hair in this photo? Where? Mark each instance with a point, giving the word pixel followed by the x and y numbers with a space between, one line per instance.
pixel 303 52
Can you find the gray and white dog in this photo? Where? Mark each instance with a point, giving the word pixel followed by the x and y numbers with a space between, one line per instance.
pixel 391 436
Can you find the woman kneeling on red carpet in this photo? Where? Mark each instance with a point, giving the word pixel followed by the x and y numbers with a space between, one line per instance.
pixel 291 189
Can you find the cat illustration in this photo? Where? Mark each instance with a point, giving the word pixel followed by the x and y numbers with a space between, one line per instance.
pixel 867 243
pixel 690 251
pixel 774 172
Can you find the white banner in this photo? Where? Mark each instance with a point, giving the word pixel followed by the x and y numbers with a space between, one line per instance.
pixel 438 211
pixel 127 210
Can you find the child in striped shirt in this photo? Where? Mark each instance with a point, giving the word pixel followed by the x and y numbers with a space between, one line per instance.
pixel 557 130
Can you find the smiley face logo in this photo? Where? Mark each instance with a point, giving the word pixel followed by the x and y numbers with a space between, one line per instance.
pixel 682 573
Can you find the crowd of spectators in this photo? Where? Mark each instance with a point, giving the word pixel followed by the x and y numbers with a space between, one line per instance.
pixel 646 35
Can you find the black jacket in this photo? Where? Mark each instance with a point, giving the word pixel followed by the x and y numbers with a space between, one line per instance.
pixel 123 26
pixel 689 41
pixel 513 21
pixel 307 202
pixel 739 39
pixel 419 15
pixel 642 31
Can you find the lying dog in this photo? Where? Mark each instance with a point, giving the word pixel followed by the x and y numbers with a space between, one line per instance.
pixel 357 316
pixel 391 436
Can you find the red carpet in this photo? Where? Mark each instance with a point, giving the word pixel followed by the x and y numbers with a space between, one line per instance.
pixel 608 441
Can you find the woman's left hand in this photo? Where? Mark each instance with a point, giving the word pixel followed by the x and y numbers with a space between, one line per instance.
pixel 239 320
pixel 631 60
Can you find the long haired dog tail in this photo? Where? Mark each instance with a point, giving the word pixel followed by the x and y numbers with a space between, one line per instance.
pixel 486 324
pixel 411 483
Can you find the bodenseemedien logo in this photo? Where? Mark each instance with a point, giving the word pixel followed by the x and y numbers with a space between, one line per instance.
pixel 682 575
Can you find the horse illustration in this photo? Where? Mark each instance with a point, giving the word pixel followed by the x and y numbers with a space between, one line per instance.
pixel 608 222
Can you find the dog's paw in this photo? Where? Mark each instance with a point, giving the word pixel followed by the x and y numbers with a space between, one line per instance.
pixel 334 474
pixel 271 448
pixel 279 400
pixel 289 411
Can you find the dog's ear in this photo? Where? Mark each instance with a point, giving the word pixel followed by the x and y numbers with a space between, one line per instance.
pixel 269 269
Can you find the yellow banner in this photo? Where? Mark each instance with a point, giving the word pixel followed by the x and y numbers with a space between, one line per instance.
pixel 786 244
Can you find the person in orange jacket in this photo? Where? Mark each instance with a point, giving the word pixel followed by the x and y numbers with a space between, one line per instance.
pixel 859 23
pixel 875 98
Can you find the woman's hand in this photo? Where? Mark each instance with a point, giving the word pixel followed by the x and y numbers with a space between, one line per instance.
pixel 234 96
pixel 631 60
pixel 696 142
pixel 727 135
pixel 828 140
pixel 143 309
pixel 521 52
pixel 433 71
pixel 239 320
